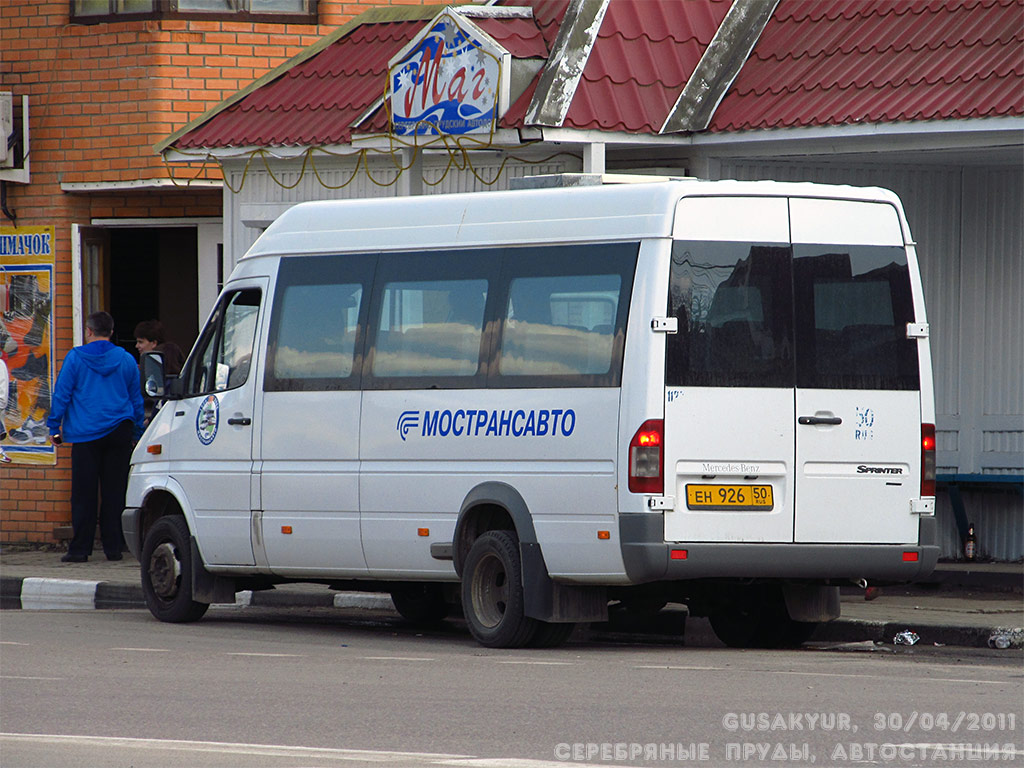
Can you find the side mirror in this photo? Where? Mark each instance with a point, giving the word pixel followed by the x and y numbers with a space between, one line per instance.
pixel 153 374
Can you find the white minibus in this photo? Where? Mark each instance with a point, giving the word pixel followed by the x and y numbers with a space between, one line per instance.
pixel 542 403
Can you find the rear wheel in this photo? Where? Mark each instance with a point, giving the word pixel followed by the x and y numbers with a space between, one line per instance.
pixel 756 617
pixel 492 592
pixel 420 603
pixel 167 572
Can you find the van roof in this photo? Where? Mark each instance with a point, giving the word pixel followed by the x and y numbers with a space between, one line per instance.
pixel 598 213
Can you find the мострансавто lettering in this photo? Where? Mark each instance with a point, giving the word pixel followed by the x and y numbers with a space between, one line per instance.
pixel 484 422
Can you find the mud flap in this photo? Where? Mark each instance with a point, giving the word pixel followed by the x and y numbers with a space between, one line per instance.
pixel 811 602
pixel 206 587
pixel 557 603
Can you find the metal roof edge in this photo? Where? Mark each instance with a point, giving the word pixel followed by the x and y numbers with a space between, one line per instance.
pixel 376 15
pixel 980 132
pixel 158 184
pixel 566 62
pixel 718 68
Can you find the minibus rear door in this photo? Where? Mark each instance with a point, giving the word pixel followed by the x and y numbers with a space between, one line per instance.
pixel 858 385
pixel 729 399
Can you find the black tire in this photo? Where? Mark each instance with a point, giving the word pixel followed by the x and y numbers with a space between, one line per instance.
pixel 420 603
pixel 167 572
pixel 492 592
pixel 549 635
pixel 757 618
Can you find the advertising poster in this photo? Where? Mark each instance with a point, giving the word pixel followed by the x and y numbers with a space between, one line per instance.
pixel 26 342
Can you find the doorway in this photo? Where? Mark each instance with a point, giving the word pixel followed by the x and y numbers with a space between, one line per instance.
pixel 154 274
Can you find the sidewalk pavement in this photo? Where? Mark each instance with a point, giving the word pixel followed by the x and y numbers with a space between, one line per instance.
pixel 962 604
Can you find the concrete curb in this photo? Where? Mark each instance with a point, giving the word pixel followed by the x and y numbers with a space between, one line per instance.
pixel 858 630
pixel 72 594
pixel 51 594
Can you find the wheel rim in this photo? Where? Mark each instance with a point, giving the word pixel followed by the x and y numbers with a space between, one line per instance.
pixel 490 591
pixel 165 570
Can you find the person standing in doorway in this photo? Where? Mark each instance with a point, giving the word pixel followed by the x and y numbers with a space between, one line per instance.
pixel 149 337
pixel 97 406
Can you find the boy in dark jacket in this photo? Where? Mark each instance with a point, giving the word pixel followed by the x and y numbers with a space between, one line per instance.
pixel 97 406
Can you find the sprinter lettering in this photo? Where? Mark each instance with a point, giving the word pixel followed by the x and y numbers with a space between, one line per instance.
pixel 541 422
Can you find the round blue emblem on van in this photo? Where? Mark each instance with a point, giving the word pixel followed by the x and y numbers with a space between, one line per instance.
pixel 207 419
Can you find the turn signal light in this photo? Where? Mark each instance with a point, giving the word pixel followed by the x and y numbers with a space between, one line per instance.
pixel 156 449
pixel 286 530
pixel 422 531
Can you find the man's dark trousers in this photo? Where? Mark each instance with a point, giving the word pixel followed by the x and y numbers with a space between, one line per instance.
pixel 99 477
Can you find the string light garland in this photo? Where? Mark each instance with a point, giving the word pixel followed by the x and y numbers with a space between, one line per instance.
pixel 460 158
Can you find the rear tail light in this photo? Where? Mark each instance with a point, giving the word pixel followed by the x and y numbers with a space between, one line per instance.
pixel 647 458
pixel 927 459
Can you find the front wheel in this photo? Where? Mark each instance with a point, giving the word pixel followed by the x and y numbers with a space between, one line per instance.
pixel 167 572
pixel 492 592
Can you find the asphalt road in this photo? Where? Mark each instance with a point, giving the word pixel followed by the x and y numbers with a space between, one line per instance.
pixel 298 688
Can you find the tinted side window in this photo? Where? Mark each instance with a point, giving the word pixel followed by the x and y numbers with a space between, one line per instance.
pixel 223 356
pixel 430 328
pixel 563 315
pixel 733 303
pixel 429 313
pixel 853 304
pixel 315 328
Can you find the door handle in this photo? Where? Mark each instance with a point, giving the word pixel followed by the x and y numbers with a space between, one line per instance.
pixel 819 420
pixel 241 421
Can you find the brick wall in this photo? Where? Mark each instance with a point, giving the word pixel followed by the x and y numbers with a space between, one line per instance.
pixel 100 97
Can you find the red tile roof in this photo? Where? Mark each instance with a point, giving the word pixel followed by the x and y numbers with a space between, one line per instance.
pixel 817 62
pixel 644 55
pixel 520 37
pixel 315 102
pixel 879 61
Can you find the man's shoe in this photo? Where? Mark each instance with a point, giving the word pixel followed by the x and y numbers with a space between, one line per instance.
pixel 69 558
pixel 117 556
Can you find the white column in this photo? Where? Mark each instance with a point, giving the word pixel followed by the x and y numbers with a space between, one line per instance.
pixel 593 158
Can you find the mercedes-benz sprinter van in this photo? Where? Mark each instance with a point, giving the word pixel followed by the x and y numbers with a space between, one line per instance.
pixel 545 402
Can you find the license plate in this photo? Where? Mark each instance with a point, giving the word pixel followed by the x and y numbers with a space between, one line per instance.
pixel 735 497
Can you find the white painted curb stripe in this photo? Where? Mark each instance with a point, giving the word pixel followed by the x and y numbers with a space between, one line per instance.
pixel 365 600
pixel 49 594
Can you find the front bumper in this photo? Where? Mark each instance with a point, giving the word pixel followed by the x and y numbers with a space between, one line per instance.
pixel 131 520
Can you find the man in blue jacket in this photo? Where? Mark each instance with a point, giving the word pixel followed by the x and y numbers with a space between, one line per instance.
pixel 97 405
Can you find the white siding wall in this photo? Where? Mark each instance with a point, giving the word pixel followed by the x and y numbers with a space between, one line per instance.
pixel 993 334
pixel 264 195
